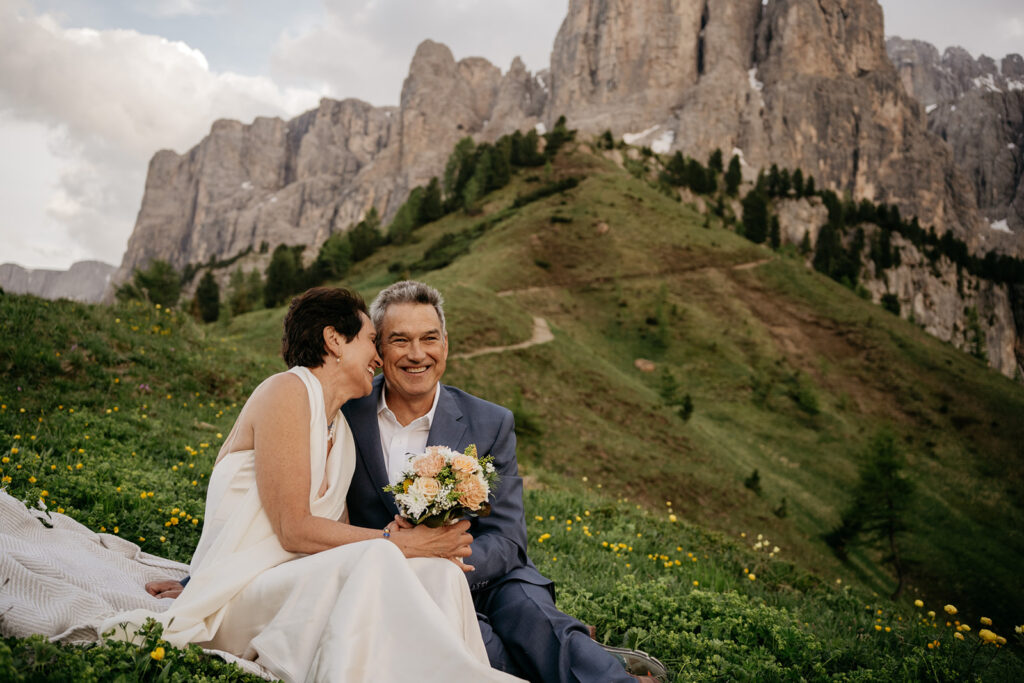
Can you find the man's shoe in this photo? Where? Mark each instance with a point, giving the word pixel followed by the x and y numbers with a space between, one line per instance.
pixel 639 664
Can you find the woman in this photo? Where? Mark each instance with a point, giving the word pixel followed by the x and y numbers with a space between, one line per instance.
pixel 276 577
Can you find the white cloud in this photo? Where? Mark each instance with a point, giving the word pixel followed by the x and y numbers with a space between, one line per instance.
pixel 177 8
pixel 992 27
pixel 362 48
pixel 108 100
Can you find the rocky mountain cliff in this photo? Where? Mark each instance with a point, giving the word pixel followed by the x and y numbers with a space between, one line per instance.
pixel 800 83
pixel 803 84
pixel 299 181
pixel 83 281
pixel 977 106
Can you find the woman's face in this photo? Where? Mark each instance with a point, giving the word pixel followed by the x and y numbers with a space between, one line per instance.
pixel 359 358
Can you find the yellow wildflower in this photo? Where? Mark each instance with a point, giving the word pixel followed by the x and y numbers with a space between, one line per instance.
pixel 672 518
pixel 950 610
pixel 752 576
pixel 958 635
pixel 696 583
pixel 986 621
pixel 878 627
pixel 918 603
pixel 157 654
pixel 987 635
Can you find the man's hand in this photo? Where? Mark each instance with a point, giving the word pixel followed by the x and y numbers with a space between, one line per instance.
pixel 164 589
pixel 450 542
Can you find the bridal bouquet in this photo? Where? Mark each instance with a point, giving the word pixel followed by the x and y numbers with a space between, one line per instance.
pixel 442 485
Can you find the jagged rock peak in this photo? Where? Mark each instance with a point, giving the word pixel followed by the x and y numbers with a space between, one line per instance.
pixel 933 78
pixel 977 107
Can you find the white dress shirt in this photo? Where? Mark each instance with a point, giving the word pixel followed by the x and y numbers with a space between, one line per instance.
pixel 396 441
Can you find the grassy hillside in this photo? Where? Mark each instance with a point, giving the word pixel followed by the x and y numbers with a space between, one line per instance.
pixel 790 374
pixel 113 415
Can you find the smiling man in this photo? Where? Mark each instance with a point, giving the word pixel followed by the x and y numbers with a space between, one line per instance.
pixel 409 409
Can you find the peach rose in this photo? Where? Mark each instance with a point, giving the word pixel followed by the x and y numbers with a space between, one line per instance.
pixel 464 463
pixel 429 487
pixel 472 492
pixel 428 465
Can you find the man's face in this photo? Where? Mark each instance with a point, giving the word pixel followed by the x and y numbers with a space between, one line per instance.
pixel 413 350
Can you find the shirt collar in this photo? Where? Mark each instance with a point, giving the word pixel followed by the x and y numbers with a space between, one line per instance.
pixel 383 409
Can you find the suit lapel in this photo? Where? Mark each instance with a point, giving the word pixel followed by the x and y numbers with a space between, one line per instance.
pixel 447 429
pixel 362 417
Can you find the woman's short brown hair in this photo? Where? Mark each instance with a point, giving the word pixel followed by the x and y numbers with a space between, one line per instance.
pixel 309 313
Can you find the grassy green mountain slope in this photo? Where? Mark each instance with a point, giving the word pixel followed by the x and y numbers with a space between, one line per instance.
pixel 790 374
pixel 641 516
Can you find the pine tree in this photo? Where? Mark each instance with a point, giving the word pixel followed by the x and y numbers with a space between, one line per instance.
pixel 809 190
pixel 458 171
pixel 881 500
pixel 734 176
pixel 774 181
pixel 501 166
pixel 366 237
pixel 282 276
pixel 775 234
pixel 755 217
pixel 798 183
pixel 406 218
pixel 715 161
pixel 244 291
pixel 208 298
pixel 334 259
pixel 431 208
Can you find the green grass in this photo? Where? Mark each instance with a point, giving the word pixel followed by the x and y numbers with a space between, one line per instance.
pixel 790 374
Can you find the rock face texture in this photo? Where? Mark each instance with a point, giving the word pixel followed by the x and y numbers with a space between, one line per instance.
pixel 84 281
pixel 299 181
pixel 799 83
pixel 977 106
pixel 973 314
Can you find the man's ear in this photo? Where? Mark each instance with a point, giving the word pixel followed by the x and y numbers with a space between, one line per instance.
pixel 446 346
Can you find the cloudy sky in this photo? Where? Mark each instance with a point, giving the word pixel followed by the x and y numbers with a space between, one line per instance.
pixel 90 89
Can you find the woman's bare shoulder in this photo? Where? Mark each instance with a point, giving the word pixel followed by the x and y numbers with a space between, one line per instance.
pixel 284 391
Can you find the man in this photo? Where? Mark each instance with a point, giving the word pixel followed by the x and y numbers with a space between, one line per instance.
pixel 409 409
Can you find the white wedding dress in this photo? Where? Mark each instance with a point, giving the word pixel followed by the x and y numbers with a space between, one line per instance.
pixel 357 612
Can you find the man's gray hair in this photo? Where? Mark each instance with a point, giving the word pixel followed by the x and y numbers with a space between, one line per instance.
pixel 407 292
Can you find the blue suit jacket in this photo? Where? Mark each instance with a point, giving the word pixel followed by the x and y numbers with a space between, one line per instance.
pixel 499 541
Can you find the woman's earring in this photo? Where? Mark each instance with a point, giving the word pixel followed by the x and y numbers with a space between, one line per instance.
pixel 337 359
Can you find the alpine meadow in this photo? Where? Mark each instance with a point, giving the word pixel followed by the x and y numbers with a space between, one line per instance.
pixel 734 459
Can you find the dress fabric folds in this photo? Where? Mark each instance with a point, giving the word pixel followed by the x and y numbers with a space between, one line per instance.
pixel 357 612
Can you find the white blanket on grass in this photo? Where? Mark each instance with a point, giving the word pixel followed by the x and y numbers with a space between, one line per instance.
pixel 60 579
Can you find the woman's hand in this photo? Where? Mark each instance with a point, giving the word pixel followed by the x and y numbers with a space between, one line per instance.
pixel 450 542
